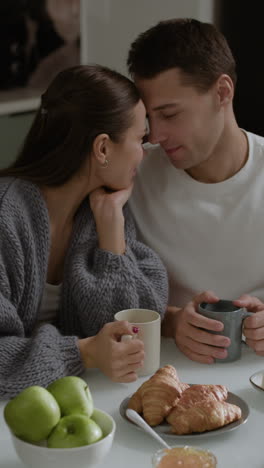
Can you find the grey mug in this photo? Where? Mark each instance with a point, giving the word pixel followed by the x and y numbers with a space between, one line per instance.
pixel 232 317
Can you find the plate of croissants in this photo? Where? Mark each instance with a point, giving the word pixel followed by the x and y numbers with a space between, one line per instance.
pixel 175 409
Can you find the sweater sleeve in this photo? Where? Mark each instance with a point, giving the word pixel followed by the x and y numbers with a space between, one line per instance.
pixel 38 360
pixel 27 357
pixel 103 283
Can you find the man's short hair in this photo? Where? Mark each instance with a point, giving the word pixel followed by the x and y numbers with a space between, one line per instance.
pixel 198 49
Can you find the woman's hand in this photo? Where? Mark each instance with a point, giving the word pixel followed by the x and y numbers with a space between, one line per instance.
pixel 103 200
pixel 118 360
pixel 107 208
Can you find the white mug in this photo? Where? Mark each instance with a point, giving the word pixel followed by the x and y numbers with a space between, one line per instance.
pixel 148 323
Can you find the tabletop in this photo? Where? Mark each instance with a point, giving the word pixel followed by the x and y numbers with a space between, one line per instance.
pixel 243 447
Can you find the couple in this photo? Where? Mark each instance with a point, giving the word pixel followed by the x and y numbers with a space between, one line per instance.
pixel 69 257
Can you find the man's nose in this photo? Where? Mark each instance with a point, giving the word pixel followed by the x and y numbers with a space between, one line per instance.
pixel 156 135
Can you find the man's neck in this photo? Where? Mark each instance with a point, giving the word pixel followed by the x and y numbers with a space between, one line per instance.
pixel 228 158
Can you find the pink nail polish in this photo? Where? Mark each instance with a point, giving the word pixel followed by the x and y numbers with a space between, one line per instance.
pixel 135 329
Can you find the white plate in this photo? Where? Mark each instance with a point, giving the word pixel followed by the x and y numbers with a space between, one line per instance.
pixel 257 380
pixel 164 429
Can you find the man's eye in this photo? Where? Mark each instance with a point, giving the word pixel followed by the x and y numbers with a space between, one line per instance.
pixel 170 116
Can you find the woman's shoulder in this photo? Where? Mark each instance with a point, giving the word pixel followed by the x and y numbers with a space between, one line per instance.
pixel 21 198
pixel 17 190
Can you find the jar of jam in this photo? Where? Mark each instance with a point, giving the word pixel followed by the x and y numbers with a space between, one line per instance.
pixel 184 457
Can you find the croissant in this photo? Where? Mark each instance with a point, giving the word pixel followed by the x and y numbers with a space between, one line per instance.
pixel 204 416
pixel 157 395
pixel 170 371
pixel 160 395
pixel 135 401
pixel 195 395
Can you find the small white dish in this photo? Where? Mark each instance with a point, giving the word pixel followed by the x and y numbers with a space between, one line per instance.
pixel 257 380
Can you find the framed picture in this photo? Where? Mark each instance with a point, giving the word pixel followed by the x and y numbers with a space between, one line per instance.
pixel 38 38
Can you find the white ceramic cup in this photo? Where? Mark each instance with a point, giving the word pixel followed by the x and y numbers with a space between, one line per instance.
pixel 148 323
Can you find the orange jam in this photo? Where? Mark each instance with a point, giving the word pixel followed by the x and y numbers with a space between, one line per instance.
pixel 187 457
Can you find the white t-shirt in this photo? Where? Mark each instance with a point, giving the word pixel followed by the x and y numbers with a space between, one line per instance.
pixel 210 236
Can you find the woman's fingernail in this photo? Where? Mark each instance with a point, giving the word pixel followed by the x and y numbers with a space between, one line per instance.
pixel 135 329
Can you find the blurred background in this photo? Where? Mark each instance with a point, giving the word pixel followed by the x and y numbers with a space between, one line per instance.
pixel 242 24
pixel 40 37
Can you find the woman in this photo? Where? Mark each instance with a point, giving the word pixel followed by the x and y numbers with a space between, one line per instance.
pixel 69 258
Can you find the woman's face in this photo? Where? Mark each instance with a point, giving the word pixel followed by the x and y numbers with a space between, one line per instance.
pixel 125 156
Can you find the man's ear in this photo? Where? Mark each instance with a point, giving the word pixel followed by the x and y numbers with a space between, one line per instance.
pixel 101 148
pixel 225 90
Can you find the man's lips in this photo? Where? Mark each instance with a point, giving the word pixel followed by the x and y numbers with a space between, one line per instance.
pixel 171 151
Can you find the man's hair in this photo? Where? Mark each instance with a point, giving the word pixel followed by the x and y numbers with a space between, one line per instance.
pixel 198 49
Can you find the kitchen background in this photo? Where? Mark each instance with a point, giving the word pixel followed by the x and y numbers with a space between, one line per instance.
pixel 101 31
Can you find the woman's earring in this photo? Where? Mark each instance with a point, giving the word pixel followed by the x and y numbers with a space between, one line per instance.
pixel 105 164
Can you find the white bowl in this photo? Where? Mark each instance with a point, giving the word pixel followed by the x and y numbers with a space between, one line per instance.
pixel 86 456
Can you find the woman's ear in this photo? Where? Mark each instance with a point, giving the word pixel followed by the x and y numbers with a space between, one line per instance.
pixel 101 148
pixel 225 90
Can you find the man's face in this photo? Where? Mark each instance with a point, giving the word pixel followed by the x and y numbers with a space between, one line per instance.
pixel 185 122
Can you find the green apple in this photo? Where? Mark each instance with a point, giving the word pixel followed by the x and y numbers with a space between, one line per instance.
pixel 74 431
pixel 32 414
pixel 73 396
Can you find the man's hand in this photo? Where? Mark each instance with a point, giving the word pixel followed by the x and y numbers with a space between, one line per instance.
pixel 189 331
pixel 254 325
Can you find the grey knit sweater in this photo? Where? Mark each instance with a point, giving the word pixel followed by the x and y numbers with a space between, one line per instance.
pixel 96 284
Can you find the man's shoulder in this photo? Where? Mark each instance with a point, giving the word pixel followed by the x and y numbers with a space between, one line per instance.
pixel 255 141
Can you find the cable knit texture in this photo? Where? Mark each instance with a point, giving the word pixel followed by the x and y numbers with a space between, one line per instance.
pixel 96 285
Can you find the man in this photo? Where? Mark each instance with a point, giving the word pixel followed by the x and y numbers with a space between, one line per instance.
pixel 198 199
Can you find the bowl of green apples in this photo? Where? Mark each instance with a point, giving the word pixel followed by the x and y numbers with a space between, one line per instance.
pixel 59 426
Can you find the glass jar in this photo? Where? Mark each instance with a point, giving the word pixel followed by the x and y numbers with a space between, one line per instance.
pixel 184 457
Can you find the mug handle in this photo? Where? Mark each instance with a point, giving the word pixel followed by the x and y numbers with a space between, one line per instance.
pixel 125 338
pixel 245 315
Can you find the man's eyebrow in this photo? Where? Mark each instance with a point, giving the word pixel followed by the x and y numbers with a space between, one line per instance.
pixel 166 106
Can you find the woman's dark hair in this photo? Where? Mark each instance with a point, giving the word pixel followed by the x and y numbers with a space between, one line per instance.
pixel 79 104
pixel 198 49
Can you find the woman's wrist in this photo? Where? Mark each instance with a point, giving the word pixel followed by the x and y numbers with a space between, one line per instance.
pixel 87 347
pixel 111 234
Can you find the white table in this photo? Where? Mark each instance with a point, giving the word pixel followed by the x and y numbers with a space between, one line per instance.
pixel 242 447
